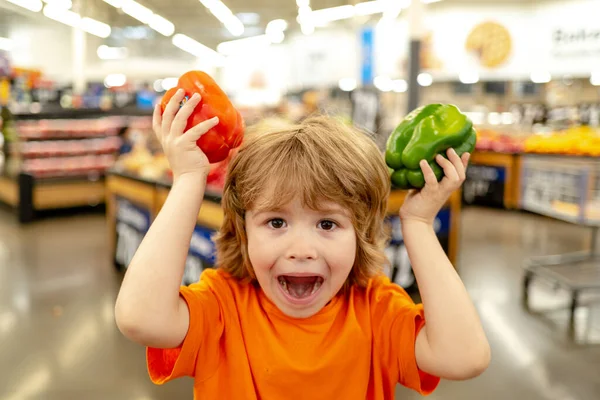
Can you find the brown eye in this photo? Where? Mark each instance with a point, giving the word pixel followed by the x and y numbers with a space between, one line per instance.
pixel 327 225
pixel 276 223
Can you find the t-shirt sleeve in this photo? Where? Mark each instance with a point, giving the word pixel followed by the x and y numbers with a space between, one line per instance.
pixel 397 321
pixel 198 354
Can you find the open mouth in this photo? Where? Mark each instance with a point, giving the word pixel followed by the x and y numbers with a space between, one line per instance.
pixel 300 287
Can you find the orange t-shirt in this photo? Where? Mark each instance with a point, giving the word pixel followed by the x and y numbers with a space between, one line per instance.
pixel 241 346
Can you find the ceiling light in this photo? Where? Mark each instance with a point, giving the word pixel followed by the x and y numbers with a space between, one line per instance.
pixel 245 44
pixel 6 44
pixel 169 83
pixel 234 26
pixel 541 77
pixel 302 3
pixel 61 15
pixel 94 27
pixel 399 85
pixel 277 25
pixel 424 79
pixel 323 16
pixel 347 84
pixel 137 11
pixel 383 83
pixel 112 53
pixel 371 7
pixel 31 5
pixel 276 36
pixel 468 77
pixel 595 78
pixel 115 3
pixel 195 48
pixel 115 80
pixel 161 25
pixel 304 10
pixel 307 29
pixel 66 4
pixel 224 14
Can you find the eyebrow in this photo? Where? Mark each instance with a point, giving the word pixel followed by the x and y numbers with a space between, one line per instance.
pixel 323 211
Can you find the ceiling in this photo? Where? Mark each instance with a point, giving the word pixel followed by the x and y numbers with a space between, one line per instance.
pixel 193 19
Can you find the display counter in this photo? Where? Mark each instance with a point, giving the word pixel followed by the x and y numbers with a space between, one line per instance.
pixel 28 195
pixel 493 179
pixel 133 203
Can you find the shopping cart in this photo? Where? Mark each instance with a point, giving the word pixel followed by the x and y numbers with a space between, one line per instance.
pixel 567 189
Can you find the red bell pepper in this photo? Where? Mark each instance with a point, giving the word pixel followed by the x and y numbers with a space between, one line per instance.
pixel 228 133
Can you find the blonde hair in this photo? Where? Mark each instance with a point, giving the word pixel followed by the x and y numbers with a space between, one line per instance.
pixel 319 160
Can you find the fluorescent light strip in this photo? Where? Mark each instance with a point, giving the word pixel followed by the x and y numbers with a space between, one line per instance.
pixel 320 17
pixel 371 7
pixel 137 11
pixel 233 46
pixel 144 15
pixel 65 4
pixel 63 16
pixel 115 3
pixel 195 48
pixel 73 19
pixel 224 14
pixel 94 27
pixel 162 25
pixel 6 44
pixel 31 5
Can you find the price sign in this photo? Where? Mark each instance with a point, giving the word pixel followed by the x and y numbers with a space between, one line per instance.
pixel 201 255
pixel 132 223
pixel 401 269
pixel 485 185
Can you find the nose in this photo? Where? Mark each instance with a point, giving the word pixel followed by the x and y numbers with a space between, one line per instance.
pixel 301 248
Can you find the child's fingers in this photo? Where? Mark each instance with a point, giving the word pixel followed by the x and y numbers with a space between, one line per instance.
pixel 428 174
pixel 465 159
pixel 171 109
pixel 181 119
pixel 157 121
pixel 197 131
pixel 457 162
pixel 449 170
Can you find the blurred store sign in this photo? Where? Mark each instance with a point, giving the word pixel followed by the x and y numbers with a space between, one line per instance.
pixel 367 55
pixel 576 42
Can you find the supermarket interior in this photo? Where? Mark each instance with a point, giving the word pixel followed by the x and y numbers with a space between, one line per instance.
pixel 83 176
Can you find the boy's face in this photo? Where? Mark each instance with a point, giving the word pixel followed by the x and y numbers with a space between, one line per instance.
pixel 301 257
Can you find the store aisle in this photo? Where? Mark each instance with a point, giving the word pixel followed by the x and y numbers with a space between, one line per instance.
pixel 58 339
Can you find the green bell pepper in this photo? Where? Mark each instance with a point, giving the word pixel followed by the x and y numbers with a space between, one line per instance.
pixel 424 133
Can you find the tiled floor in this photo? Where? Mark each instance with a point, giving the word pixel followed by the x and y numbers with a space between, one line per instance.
pixel 58 339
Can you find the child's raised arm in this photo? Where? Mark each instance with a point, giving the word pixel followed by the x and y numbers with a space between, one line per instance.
pixel 452 344
pixel 149 309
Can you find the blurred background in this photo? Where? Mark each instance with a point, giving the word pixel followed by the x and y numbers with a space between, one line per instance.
pixel 82 177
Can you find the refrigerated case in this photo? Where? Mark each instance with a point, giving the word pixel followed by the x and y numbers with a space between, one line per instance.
pixel 60 158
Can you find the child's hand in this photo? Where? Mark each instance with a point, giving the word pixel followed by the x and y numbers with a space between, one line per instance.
pixel 184 156
pixel 425 204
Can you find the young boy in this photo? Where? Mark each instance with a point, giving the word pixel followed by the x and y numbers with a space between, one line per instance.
pixel 297 307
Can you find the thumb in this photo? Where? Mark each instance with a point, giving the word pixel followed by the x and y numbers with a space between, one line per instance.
pixel 197 131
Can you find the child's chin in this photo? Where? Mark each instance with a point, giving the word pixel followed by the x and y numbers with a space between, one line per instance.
pixel 303 312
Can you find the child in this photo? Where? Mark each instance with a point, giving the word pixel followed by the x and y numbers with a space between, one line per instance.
pixel 297 307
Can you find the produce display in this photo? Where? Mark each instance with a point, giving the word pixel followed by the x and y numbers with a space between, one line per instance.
pixel 424 133
pixel 499 142
pixel 579 141
pixel 228 133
